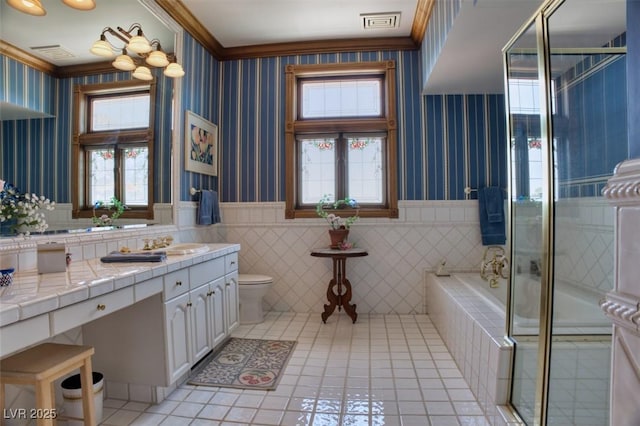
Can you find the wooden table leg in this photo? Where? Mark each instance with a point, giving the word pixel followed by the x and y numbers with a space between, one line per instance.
pixel 333 302
pixel 349 308
pixel 339 298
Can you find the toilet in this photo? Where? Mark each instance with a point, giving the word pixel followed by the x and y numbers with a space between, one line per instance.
pixel 251 290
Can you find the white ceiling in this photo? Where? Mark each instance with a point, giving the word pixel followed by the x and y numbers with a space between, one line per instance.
pixel 470 62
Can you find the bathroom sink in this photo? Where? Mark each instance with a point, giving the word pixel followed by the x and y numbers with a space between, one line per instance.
pixel 187 248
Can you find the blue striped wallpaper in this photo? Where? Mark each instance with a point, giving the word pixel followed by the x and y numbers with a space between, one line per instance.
pixel 36 153
pixel 200 95
pixel 440 22
pixel 590 123
pixel 444 142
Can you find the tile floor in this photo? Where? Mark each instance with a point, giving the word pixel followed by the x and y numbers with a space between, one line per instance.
pixel 383 370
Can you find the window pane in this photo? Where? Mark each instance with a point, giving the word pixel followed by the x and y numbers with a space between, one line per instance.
pixel 102 177
pixel 341 98
pixel 121 112
pixel 136 162
pixel 365 169
pixel 318 175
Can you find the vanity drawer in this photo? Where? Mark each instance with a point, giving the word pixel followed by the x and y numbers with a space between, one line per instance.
pixel 19 335
pixel 75 315
pixel 231 263
pixel 148 288
pixel 176 283
pixel 202 273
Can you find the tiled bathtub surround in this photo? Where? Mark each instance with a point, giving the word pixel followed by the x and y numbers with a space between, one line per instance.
pixel 473 331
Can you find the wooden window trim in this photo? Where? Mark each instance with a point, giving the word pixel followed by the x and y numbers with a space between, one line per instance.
pixel 81 136
pixel 388 124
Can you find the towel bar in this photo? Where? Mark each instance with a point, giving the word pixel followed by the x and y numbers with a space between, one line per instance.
pixel 193 191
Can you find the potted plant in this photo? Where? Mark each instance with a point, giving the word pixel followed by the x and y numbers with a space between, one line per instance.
pixel 339 226
pixel 115 206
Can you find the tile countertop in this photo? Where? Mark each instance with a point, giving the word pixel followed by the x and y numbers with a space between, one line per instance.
pixel 33 294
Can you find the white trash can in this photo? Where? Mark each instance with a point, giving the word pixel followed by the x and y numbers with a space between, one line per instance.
pixel 72 394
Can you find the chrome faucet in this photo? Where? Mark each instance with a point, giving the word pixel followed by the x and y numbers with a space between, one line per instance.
pixel 494 265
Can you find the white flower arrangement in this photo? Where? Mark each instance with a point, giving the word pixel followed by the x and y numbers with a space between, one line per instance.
pixel 23 209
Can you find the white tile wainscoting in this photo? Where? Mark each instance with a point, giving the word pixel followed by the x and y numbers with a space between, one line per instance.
pixel 388 281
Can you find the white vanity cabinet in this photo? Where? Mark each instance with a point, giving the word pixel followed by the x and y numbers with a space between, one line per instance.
pixel 177 330
pixel 217 312
pixel 231 302
pixel 170 331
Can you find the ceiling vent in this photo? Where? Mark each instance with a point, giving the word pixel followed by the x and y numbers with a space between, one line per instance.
pixel 380 21
pixel 54 51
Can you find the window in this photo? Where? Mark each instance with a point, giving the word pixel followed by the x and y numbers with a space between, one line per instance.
pixel 341 137
pixel 113 147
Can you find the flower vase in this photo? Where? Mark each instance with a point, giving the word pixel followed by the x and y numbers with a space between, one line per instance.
pixel 338 236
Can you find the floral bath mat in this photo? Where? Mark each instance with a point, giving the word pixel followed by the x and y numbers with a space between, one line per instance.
pixel 246 364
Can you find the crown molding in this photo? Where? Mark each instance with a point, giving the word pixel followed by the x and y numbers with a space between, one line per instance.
pixel 319 46
pixel 424 9
pixel 27 58
pixel 179 12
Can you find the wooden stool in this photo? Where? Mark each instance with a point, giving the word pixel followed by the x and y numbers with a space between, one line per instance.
pixel 41 366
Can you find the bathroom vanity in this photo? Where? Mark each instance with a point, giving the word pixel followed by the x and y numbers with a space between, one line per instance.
pixel 150 323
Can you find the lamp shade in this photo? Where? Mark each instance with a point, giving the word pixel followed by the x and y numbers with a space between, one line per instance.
pixel 139 44
pixel 80 4
pixel 32 7
pixel 124 62
pixel 174 70
pixel 157 58
pixel 102 48
pixel 142 73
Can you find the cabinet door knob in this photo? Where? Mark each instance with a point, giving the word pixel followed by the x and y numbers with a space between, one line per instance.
pixel 227 284
pixel 101 307
pixel 189 304
pixel 233 262
pixel 178 282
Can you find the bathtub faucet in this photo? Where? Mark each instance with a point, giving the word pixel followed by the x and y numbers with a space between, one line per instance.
pixel 494 265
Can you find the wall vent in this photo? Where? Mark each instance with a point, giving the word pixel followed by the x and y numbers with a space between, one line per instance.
pixel 54 51
pixel 376 21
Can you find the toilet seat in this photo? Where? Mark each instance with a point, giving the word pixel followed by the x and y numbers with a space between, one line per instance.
pixel 254 279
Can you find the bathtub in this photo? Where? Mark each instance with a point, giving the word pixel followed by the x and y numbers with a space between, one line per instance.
pixel 472 327
pixel 572 314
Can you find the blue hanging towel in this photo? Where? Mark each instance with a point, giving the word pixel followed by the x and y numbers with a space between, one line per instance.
pixel 215 208
pixel 205 208
pixel 492 218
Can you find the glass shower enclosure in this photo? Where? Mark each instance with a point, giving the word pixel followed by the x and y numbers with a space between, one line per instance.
pixel 566 103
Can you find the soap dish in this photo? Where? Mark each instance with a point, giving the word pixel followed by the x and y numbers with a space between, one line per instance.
pixel 6 277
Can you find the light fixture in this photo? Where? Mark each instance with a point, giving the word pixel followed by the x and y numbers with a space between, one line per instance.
pixel 140 48
pixel 142 73
pixel 124 62
pixel 80 4
pixel 31 7
pixel 102 47
pixel 34 7
pixel 157 58
pixel 174 70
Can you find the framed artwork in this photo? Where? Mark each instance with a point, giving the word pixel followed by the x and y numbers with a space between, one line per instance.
pixel 201 145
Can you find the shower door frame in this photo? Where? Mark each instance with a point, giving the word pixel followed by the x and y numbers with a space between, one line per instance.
pixel 545 333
